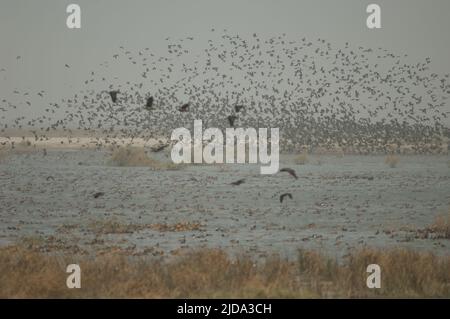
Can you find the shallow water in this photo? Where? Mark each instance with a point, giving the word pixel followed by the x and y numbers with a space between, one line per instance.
pixel 336 205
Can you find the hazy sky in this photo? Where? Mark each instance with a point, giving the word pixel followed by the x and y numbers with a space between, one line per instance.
pixel 36 30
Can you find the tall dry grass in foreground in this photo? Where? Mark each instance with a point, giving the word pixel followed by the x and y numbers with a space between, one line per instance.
pixel 214 274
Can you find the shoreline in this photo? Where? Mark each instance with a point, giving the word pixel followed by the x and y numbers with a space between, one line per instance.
pixel 84 142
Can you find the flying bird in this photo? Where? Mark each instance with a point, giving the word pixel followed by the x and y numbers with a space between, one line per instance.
pixel 238 108
pixel 159 148
pixel 149 103
pixel 282 196
pixel 98 194
pixel 113 95
pixel 290 171
pixel 184 107
pixel 238 182
pixel 232 119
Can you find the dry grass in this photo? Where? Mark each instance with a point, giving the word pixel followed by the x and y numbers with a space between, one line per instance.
pixel 113 226
pixel 392 160
pixel 214 274
pixel 302 159
pixel 440 229
pixel 136 156
pixel 178 227
pixel 441 226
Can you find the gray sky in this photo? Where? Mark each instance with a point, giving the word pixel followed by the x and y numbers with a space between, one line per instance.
pixel 36 30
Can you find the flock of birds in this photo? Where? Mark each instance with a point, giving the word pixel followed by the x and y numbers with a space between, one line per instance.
pixel 318 95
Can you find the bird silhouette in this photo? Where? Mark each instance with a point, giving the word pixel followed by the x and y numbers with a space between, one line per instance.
pixel 149 103
pixel 290 171
pixel 238 182
pixel 159 148
pixel 113 95
pixel 184 107
pixel 238 108
pixel 98 194
pixel 232 119
pixel 282 196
